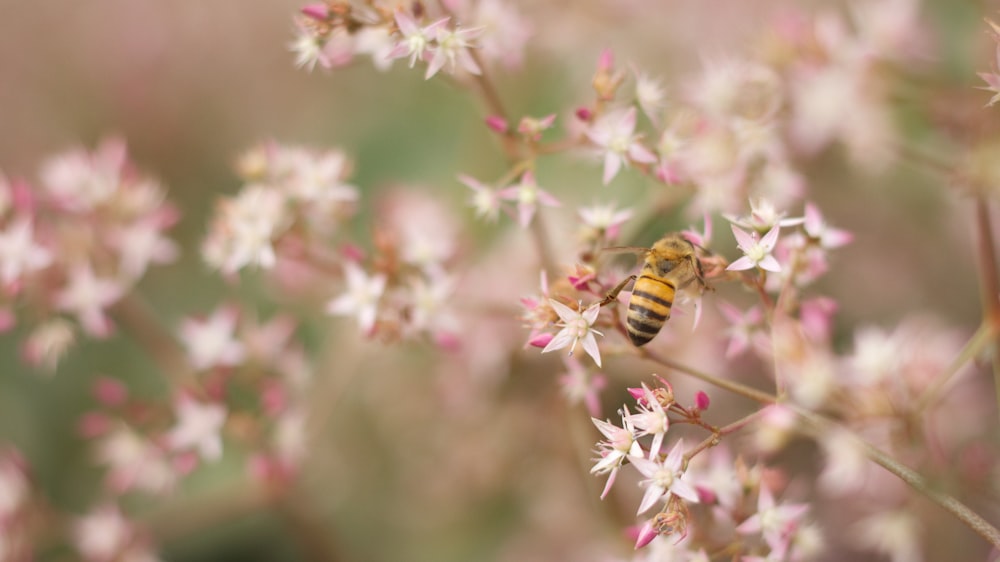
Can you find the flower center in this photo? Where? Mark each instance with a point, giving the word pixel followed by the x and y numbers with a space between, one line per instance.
pixel 664 478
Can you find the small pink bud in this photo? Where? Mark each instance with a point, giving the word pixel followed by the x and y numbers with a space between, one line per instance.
pixel 701 401
pixel 646 535
pixel 273 399
pixel 110 392
pixel 352 252
pixel 579 282
pixel 92 424
pixel 541 340
pixel 448 341
pixel 186 462
pixel 584 114
pixel 606 61
pixel 22 197
pixel 7 319
pixel 706 495
pixel 638 394
pixel 497 123
pixel 317 11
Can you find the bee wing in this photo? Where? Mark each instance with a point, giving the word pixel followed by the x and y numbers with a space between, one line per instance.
pixel 625 250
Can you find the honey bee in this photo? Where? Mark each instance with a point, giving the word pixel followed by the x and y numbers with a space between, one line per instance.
pixel 669 266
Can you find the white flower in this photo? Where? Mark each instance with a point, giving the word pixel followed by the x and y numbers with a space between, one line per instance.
pixel 87 296
pixel 621 443
pixel 361 298
pixel 198 426
pixel 211 342
pixel 19 253
pixel 663 478
pixel 756 252
pixel 615 133
pixel 577 326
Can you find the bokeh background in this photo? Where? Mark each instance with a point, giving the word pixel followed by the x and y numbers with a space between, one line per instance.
pixel 402 467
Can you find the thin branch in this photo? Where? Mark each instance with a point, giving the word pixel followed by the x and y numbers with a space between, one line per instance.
pixel 823 426
pixel 989 282
pixel 140 323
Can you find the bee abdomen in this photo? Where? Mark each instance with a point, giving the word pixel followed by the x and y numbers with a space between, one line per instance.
pixel 648 309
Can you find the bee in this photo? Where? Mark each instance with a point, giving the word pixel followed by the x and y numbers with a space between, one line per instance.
pixel 669 266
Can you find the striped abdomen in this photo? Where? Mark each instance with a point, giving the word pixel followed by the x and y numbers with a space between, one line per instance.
pixel 649 307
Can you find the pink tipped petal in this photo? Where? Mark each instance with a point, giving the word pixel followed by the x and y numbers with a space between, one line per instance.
pixel 743 239
pixel 590 346
pixel 769 263
pixel 741 264
pixel 771 238
pixel 612 163
pixel 684 490
pixel 563 339
pixel 653 493
pixel 609 483
pixel 639 153
pixel 835 238
pixel 524 215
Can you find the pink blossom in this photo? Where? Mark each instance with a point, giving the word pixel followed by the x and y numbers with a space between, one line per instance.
pixel 532 127
pixel 20 253
pixel 756 252
pixel 663 479
pixel 485 200
pixel 615 134
pixel 817 229
pixel 605 218
pixel 619 444
pixel 361 297
pixel 528 195
pixel 198 427
pixel 776 522
pixel 580 385
pixel 211 342
pixel 577 328
pixel 87 296
pixel 651 419
pixel 417 41
pixel 452 49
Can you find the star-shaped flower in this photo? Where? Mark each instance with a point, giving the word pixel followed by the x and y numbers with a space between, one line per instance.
pixel 198 426
pixel 615 134
pixel 361 298
pixel 577 327
pixel 756 252
pixel 663 479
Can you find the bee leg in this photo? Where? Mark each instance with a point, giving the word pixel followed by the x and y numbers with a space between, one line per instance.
pixel 700 275
pixel 612 295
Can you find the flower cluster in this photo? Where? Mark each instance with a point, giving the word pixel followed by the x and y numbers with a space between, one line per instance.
pixel 331 34
pixel 721 487
pixel 72 245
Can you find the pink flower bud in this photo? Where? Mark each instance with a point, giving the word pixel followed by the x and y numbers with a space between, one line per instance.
pixel 584 114
pixel 541 340
pixel 638 394
pixel 352 252
pixel 606 61
pixel 645 535
pixel 92 424
pixel 110 392
pixel 497 123
pixel 317 11
pixel 273 399
pixel 185 463
pixel 701 401
pixel 448 341
pixel 706 495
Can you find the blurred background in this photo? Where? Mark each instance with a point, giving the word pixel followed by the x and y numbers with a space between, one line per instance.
pixel 405 465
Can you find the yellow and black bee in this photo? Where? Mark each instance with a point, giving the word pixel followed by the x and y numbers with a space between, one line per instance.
pixel 669 266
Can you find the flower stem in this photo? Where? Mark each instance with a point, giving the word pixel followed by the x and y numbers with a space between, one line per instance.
pixel 989 283
pixel 136 316
pixel 823 426
pixel 714 439
pixel 732 386
pixel 912 478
